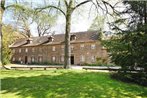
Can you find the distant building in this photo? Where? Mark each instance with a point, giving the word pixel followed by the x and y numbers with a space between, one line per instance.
pixel 85 48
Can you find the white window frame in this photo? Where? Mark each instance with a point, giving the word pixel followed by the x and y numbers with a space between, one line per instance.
pixel 26 50
pixel 82 46
pixel 53 48
pixel 13 51
pixel 40 58
pixel 19 50
pixel 33 49
pixel 13 59
pixel 19 59
pixel 32 59
pixel 93 46
pixel 62 58
pixel 53 58
pixel 62 47
pixel 72 47
pixel 93 59
pixel 40 49
pixel 82 58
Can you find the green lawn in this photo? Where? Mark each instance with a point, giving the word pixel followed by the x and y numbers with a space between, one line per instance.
pixel 66 84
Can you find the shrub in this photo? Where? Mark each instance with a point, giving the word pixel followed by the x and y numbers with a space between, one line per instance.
pixel 138 78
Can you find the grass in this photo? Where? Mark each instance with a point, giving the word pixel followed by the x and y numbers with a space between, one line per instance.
pixel 66 84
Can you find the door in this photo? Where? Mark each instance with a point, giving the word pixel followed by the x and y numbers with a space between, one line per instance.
pixel 72 59
pixel 26 59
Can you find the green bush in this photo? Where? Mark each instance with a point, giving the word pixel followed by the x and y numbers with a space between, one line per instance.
pixel 96 64
pixel 138 78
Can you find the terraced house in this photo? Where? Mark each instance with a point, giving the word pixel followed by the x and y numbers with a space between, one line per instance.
pixel 85 48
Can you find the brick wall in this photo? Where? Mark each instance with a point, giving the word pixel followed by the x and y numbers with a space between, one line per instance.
pixel 82 52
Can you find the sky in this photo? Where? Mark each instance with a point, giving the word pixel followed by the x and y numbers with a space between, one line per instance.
pixel 81 19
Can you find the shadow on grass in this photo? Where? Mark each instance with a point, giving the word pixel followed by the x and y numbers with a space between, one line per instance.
pixel 70 85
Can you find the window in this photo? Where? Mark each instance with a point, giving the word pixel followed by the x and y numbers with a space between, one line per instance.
pixel 53 48
pixel 82 58
pixel 72 37
pixel 40 58
pixel 62 58
pixel 50 39
pixel 72 47
pixel 19 50
pixel 53 58
pixel 26 50
pixel 29 41
pixel 33 50
pixel 82 46
pixel 19 59
pixel 62 47
pixel 13 51
pixel 13 59
pixel 93 46
pixel 93 58
pixel 32 59
pixel 40 49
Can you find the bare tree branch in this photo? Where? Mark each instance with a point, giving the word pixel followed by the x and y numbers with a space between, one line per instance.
pixel 84 2
pixel 66 3
pixel 51 6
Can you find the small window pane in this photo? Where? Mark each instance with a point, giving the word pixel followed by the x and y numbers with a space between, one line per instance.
pixel 93 46
pixel 72 47
pixel 33 50
pixel 62 58
pixel 93 58
pixel 13 59
pixel 13 51
pixel 53 58
pixel 26 49
pixel 19 59
pixel 53 48
pixel 82 58
pixel 19 50
pixel 32 59
pixel 82 45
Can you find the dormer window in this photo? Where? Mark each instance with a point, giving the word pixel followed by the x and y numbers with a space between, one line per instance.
pixel 50 39
pixel 72 37
pixel 29 40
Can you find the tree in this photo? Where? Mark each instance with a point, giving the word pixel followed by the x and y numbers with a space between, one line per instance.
pixel 67 7
pixel 70 7
pixel 44 23
pixel 128 47
pixel 98 23
pixel 24 17
pixel 2 8
pixel 9 36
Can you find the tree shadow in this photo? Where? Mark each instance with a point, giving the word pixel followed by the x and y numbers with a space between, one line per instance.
pixel 70 85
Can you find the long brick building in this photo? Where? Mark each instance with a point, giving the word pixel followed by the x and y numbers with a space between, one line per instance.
pixel 85 48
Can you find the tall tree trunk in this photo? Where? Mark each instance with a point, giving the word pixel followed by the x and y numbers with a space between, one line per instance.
pixel 145 15
pixel 67 51
pixel 2 12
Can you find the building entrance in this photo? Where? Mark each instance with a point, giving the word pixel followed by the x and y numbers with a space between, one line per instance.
pixel 72 59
